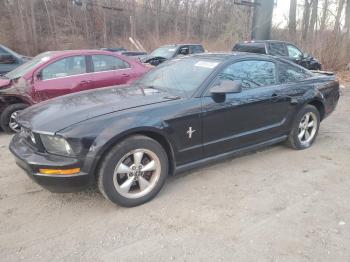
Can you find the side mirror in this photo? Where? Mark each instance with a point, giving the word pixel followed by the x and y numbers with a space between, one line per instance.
pixel 39 75
pixel 305 55
pixel 227 86
pixel 8 59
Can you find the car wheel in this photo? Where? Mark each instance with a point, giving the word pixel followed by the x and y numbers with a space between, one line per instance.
pixel 305 128
pixel 8 116
pixel 133 171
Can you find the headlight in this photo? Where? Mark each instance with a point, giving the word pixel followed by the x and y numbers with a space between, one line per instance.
pixel 56 145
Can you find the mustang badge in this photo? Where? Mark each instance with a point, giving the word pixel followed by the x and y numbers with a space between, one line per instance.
pixel 190 131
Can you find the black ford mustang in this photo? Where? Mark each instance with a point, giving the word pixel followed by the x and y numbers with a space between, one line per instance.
pixel 184 113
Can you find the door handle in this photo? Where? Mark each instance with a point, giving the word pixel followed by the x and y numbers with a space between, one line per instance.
pixel 84 83
pixel 125 75
pixel 275 97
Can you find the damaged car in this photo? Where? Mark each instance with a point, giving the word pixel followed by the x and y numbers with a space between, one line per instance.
pixel 9 59
pixel 167 52
pixel 281 49
pixel 184 113
pixel 57 73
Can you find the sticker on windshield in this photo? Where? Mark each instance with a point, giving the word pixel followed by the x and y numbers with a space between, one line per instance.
pixel 171 50
pixel 206 64
pixel 45 58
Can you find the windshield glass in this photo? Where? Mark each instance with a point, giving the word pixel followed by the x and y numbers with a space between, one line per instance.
pixel 180 76
pixel 165 51
pixel 26 67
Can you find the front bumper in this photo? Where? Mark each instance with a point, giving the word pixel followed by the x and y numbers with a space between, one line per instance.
pixel 30 160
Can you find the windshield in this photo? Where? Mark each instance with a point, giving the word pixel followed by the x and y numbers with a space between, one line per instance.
pixel 165 51
pixel 181 76
pixel 28 66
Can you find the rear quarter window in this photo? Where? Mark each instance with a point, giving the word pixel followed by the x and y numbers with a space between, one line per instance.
pixel 289 73
pixel 195 49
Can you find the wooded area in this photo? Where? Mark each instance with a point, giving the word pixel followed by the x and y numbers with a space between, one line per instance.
pixel 322 27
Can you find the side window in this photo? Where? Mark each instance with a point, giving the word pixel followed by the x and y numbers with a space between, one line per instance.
pixel 184 50
pixel 277 49
pixel 3 52
pixel 290 73
pixel 294 52
pixel 68 66
pixel 107 63
pixel 6 58
pixel 196 49
pixel 252 73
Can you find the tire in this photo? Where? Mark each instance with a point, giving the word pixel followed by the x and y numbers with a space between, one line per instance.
pixel 6 114
pixel 294 141
pixel 124 155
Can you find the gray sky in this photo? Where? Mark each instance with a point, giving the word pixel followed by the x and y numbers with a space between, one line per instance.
pixel 281 12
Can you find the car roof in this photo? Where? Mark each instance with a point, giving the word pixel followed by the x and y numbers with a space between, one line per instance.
pixel 223 56
pixel 79 52
pixel 177 45
pixel 263 42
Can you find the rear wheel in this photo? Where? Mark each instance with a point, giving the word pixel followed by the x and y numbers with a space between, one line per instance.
pixel 133 171
pixel 8 117
pixel 305 128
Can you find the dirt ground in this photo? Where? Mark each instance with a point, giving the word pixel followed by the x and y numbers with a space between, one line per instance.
pixel 274 205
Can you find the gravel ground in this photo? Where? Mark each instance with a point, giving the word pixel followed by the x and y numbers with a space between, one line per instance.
pixel 274 205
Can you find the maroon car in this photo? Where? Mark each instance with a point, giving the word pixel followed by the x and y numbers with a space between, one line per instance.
pixel 57 73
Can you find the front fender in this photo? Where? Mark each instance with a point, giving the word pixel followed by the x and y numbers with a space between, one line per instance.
pixel 93 138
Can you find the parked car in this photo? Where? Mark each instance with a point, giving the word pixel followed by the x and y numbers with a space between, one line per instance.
pixel 166 52
pixel 9 59
pixel 114 49
pixel 139 55
pixel 280 49
pixel 53 74
pixel 181 114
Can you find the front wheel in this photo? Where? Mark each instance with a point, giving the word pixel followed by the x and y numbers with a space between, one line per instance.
pixel 305 128
pixel 133 171
pixel 8 117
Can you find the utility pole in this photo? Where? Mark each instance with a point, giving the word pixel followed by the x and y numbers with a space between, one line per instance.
pixel 262 19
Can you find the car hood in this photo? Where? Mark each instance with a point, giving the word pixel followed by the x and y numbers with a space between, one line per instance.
pixel 4 82
pixel 148 57
pixel 56 114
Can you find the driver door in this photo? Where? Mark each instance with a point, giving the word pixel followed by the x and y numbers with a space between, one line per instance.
pixel 237 120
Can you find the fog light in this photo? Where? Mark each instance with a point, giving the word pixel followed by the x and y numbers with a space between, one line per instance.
pixel 71 171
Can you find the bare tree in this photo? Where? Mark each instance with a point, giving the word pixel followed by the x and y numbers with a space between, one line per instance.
pixel 292 19
pixel 306 19
pixel 313 19
pixel 347 18
pixel 338 17
pixel 324 15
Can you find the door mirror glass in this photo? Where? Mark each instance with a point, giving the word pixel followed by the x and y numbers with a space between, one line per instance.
pixel 227 86
pixel 7 59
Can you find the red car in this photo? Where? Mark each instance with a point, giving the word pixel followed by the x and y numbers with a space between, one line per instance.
pixel 57 73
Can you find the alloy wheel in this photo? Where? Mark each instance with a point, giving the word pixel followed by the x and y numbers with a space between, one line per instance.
pixel 137 173
pixel 307 128
pixel 12 123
